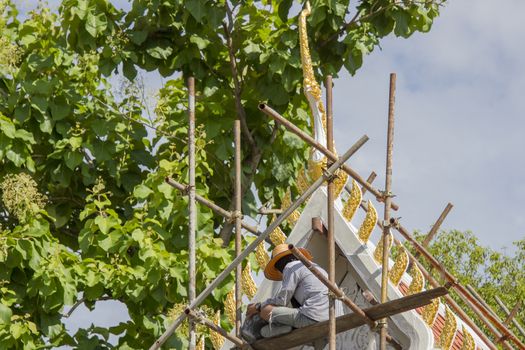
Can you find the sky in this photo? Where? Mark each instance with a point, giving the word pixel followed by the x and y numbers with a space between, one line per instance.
pixel 459 120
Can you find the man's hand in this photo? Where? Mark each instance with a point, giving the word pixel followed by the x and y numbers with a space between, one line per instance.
pixel 251 310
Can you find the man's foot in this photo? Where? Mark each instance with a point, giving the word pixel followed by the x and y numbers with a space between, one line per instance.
pixel 275 330
pixel 250 330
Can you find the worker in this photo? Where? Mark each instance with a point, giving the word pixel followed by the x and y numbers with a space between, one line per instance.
pixel 301 301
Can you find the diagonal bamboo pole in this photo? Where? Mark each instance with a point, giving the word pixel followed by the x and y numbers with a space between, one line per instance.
pixel 252 246
pixel 388 199
pixel 191 202
pixel 507 313
pixel 330 155
pixel 330 210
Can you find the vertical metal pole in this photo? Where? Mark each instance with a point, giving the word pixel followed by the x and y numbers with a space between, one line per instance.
pixel 238 216
pixel 331 192
pixel 192 204
pixel 388 199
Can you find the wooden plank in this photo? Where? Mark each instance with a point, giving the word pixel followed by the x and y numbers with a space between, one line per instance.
pixel 346 322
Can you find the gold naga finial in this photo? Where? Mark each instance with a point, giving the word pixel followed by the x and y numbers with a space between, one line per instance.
pixel 449 330
pixel 418 281
pixel 378 252
pixel 468 340
pixel 430 311
pixel 368 224
pixel 399 267
pixel 352 203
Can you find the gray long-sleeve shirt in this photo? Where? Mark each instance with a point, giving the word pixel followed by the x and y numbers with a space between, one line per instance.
pixel 300 283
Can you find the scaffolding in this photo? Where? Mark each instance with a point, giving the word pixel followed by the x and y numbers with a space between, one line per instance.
pixel 375 316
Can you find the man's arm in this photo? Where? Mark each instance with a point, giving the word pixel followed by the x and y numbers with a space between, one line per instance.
pixel 289 284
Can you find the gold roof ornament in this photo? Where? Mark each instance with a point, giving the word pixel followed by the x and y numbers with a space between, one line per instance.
pixel 230 307
pixel 399 267
pixel 277 236
pixel 286 202
pixel 430 311
pixel 302 181
pixel 340 181
pixel 353 202
pixel 200 344
pixel 449 330
pixel 248 284
pixel 418 281
pixel 217 340
pixel 468 340
pixel 261 256
pixel 378 252
pixel 368 224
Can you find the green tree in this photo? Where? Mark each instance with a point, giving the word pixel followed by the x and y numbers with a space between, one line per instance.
pixel 491 273
pixel 85 212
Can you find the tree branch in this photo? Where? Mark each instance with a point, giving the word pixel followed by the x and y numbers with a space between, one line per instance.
pixel 81 301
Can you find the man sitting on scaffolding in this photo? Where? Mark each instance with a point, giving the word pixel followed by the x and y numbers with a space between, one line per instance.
pixel 301 301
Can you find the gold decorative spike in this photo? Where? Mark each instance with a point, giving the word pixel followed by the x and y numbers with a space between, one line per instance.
pixel 293 218
pixel 261 256
pixel 248 284
pixel 378 252
pixel 315 169
pixel 468 340
pixel 286 202
pixel 399 267
pixel 430 311
pixel 217 340
pixel 200 344
pixel 340 181
pixel 277 236
pixel 352 203
pixel 229 306
pixel 368 224
pixel 418 281
pixel 449 330
pixel 302 181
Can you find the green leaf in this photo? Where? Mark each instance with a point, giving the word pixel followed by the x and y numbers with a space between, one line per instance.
pixel 75 142
pixel 283 9
pixel 160 49
pixel 96 24
pixel 7 127
pixel 197 8
pixel 59 110
pixel 200 42
pixel 15 157
pixel 142 191
pixel 5 314
pixel 129 70
pixel 25 135
pixel 103 223
pixel 73 159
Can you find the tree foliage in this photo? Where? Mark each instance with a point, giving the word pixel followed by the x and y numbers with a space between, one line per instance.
pixel 491 273
pixel 85 212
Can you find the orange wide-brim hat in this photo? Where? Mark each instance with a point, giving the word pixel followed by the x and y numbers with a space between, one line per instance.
pixel 280 251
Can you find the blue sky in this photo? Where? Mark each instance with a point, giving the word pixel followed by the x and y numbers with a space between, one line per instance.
pixel 459 120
